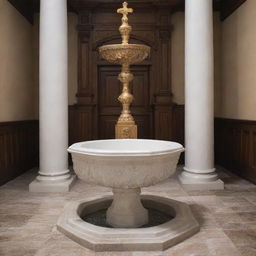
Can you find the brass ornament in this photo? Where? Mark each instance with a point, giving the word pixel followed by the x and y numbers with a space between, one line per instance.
pixel 125 54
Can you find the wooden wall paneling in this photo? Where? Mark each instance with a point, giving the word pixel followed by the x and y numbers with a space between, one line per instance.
pixel 178 123
pixel 109 108
pixel 19 148
pixel 163 122
pixel 163 95
pixel 178 127
pixel 108 86
pixel 165 59
pixel 81 123
pixel 98 86
pixel 85 93
pixel 109 89
pixel 235 146
pixel 82 116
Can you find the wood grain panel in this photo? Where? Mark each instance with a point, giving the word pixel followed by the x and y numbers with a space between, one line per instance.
pixel 140 87
pixel 109 87
pixel 19 148
pixel 107 127
pixel 81 123
pixel 109 108
pixel 235 146
pixel 163 122
pixel 98 85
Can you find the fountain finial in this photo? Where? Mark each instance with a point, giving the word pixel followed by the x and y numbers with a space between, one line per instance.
pixel 125 29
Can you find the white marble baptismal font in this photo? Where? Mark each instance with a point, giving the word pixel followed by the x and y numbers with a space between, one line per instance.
pixel 126 165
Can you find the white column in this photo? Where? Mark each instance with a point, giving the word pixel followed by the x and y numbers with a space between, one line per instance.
pixel 199 171
pixel 54 175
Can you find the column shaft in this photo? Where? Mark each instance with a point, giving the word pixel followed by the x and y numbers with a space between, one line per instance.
pixel 199 93
pixel 53 106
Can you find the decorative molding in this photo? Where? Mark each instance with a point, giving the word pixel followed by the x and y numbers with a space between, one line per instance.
pixel 235 146
pixel 19 147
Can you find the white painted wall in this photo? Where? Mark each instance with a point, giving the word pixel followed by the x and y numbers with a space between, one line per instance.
pixel 72 59
pixel 178 42
pixel 16 65
pixel 237 93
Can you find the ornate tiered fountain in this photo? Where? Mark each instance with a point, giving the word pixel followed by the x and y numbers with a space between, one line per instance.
pixel 126 220
pixel 125 54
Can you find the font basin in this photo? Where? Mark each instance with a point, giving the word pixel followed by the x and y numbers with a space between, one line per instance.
pixel 125 163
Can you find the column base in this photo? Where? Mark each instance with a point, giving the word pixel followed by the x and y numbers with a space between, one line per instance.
pixel 203 181
pixel 52 186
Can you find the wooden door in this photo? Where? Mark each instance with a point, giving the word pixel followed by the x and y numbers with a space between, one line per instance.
pixel 109 108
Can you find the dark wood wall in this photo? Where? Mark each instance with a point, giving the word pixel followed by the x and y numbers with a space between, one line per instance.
pixel 235 146
pixel 235 143
pixel 97 110
pixel 18 148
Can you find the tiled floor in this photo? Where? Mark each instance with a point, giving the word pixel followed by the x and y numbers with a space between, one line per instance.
pixel 227 219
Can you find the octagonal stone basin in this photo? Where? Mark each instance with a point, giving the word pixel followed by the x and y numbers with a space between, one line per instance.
pixel 125 165
pixel 124 53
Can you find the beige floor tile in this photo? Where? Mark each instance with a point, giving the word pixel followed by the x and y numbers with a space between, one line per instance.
pixel 227 218
pixel 247 216
pixel 208 200
pixel 247 250
pixel 242 237
pixel 239 226
pixel 20 248
pixel 188 249
pixel 8 220
pixel 59 245
pixel 222 247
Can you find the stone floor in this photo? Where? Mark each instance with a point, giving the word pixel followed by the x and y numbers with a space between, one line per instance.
pixel 227 219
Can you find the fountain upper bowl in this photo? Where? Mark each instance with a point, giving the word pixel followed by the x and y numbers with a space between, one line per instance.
pixel 125 163
pixel 124 53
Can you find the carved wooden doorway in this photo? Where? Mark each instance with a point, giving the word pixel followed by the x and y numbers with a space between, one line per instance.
pixel 109 88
